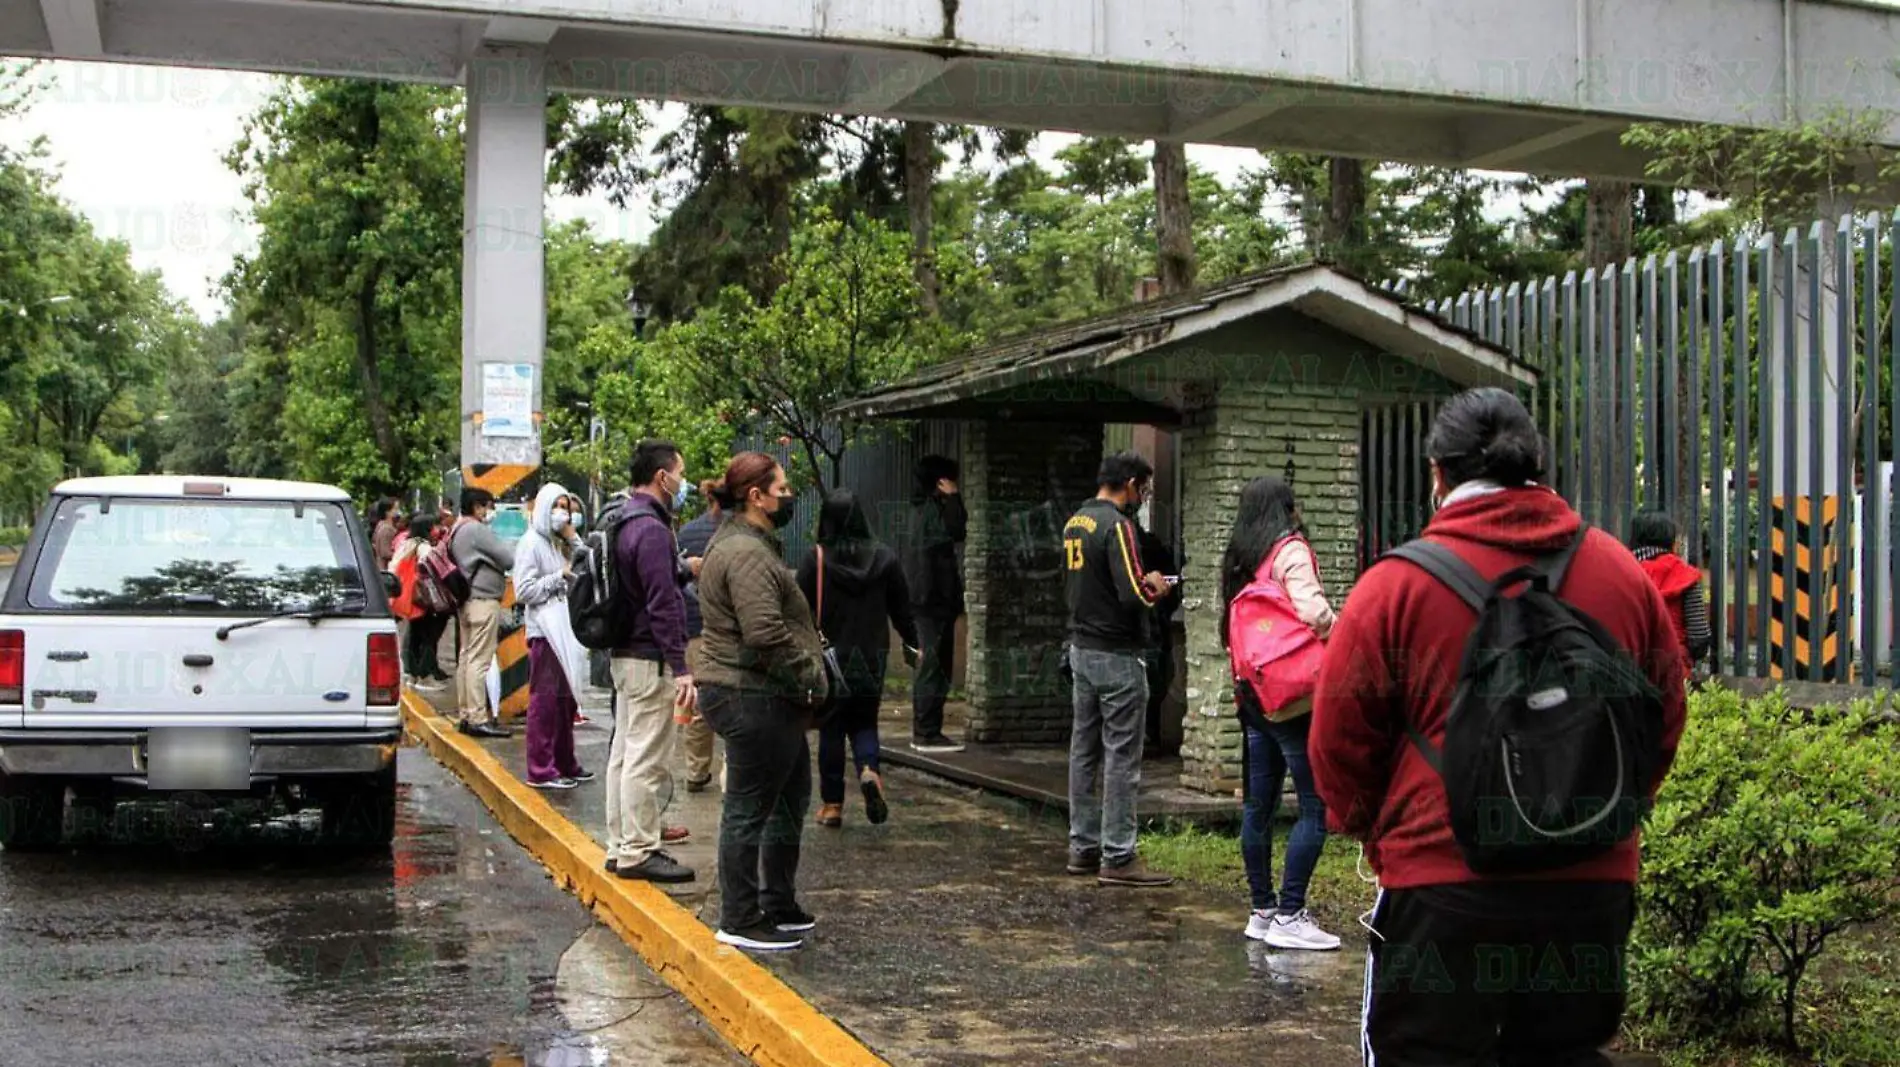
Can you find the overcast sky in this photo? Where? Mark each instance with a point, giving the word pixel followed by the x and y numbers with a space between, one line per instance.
pixel 140 151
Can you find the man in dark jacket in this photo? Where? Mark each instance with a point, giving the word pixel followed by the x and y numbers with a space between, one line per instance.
pixel 647 566
pixel 935 576
pixel 1111 601
pixel 1158 558
pixel 693 539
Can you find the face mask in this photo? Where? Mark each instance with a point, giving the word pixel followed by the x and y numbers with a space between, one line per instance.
pixel 679 493
pixel 783 516
pixel 577 520
pixel 560 518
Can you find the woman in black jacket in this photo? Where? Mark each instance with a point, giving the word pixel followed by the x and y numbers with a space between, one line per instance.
pixel 863 593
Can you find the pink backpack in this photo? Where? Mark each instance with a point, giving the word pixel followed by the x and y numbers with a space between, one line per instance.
pixel 1272 649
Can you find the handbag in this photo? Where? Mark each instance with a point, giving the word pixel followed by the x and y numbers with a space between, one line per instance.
pixel 834 670
pixel 1274 651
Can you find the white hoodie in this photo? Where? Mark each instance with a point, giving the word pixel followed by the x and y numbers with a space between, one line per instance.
pixel 541 589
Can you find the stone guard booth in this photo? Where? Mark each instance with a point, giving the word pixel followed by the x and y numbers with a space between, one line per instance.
pixel 1302 370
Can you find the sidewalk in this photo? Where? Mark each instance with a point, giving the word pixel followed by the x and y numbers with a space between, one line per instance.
pixel 950 936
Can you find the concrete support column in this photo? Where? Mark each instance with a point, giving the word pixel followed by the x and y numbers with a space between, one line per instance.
pixel 1021 482
pixel 504 307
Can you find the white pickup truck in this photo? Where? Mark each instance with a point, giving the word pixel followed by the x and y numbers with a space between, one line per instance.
pixel 213 642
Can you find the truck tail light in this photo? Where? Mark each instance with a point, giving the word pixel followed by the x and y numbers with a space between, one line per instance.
pixel 385 670
pixel 12 666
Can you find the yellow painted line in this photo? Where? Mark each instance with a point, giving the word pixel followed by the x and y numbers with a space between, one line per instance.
pixel 760 1015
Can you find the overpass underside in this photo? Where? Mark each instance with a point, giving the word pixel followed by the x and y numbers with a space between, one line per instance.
pixel 1545 86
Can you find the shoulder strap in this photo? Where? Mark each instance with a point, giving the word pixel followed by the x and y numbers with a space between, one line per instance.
pixel 819 622
pixel 1558 567
pixel 1443 564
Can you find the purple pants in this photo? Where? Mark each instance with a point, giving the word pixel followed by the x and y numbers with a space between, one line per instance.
pixel 551 709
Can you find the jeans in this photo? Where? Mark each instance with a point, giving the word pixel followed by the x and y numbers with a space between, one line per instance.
pixel 1111 700
pixel 1269 756
pixel 768 792
pixel 856 725
pixel 421 639
pixel 937 645
pixel 551 709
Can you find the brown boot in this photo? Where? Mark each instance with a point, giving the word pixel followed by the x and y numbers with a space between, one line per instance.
pixel 831 815
pixel 1134 875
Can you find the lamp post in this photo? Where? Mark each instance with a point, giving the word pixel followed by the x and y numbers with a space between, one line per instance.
pixel 638 308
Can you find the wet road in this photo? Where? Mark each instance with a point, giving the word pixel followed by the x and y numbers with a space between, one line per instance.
pixel 456 951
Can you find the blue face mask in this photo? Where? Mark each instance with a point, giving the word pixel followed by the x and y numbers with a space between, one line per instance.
pixel 578 520
pixel 680 494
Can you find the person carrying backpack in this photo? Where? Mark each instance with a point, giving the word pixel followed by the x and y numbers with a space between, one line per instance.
pixel 1495 759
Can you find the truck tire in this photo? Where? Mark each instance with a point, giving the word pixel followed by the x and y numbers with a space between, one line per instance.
pixel 32 813
pixel 359 814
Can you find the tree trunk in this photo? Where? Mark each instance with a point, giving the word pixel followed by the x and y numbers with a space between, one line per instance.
pixel 1608 229
pixel 1174 218
pixel 382 428
pixel 1344 238
pixel 920 180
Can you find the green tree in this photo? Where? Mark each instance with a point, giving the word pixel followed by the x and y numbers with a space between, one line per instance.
pixel 844 321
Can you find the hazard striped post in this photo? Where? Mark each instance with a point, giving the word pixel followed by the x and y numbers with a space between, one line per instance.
pixel 1818 645
pixel 511 648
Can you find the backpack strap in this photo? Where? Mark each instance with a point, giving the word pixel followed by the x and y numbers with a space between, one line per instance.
pixel 1558 567
pixel 1445 565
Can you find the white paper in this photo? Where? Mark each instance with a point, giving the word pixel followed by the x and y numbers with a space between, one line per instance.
pixel 507 400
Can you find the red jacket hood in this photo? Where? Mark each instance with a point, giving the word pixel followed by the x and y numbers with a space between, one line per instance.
pixel 1672 575
pixel 1530 519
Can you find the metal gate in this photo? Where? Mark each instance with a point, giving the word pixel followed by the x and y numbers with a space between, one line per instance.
pixel 1395 481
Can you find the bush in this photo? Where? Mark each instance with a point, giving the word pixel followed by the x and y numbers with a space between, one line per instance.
pixel 12 536
pixel 1778 830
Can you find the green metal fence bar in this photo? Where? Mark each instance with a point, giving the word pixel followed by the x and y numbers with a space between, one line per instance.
pixel 1843 370
pixel 1788 434
pixel 1574 430
pixel 1626 401
pixel 1765 421
pixel 1893 482
pixel 1592 401
pixel 1650 313
pixel 1709 312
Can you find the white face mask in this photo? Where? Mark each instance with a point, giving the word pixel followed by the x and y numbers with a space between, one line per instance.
pixel 561 517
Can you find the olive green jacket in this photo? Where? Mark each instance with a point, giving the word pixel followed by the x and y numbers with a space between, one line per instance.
pixel 759 635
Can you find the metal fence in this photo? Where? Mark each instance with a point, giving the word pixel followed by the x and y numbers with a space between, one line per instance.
pixel 1748 388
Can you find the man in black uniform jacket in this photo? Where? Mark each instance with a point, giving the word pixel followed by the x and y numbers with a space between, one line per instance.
pixel 1110 600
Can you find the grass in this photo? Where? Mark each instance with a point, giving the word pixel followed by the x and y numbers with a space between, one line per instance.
pixel 1859 1026
pixel 1209 858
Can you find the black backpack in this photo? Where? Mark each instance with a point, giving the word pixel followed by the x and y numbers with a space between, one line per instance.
pixel 599 614
pixel 1554 734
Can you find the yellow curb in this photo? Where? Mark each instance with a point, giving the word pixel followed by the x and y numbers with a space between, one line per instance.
pixel 760 1015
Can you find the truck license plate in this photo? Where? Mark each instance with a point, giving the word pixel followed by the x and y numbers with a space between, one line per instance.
pixel 198 758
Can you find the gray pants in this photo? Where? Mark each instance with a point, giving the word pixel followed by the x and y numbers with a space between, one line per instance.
pixel 1111 700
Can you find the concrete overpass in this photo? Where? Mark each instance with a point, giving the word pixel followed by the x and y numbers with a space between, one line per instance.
pixel 1544 86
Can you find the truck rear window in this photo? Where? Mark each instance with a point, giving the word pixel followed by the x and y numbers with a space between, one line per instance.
pixel 237 556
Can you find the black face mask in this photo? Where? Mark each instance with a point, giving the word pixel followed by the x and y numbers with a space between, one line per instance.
pixel 783 516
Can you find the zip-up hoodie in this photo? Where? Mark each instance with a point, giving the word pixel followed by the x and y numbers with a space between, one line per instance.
pixel 540 563
pixel 646 560
pixel 865 597
pixel 1108 605
pixel 1393 661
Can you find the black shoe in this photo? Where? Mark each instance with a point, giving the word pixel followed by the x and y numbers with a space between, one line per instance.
pixel 876 808
pixel 485 729
pixel 1081 863
pixel 612 865
pixel 582 775
pixel 759 937
pixel 698 785
pixel 660 868
pixel 795 921
pixel 936 743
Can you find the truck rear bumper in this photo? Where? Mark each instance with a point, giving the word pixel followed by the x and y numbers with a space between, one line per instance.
pixel 121 753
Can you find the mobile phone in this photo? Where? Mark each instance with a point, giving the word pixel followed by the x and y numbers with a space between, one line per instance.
pixel 1172 579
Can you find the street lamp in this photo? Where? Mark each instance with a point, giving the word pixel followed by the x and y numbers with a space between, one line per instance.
pixel 639 309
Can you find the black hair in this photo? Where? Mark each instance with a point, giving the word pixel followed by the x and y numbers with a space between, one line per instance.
pixel 1264 517
pixel 421 524
pixel 1121 468
pixel 473 498
pixel 1486 434
pixel 1653 529
pixel 929 471
pixel 381 509
pixel 650 458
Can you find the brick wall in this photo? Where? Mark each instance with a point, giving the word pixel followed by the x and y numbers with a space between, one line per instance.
pixel 1022 481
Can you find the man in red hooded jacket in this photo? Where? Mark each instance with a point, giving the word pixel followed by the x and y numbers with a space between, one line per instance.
pixel 1464 969
pixel 1653 540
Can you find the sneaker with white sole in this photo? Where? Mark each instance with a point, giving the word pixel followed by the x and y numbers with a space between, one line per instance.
pixel 1259 921
pixel 1298 931
pixel 763 937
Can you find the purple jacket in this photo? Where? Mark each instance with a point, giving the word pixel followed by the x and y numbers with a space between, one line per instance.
pixel 647 562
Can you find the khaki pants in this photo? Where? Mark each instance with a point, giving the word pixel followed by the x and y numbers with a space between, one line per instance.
pixel 697 735
pixel 478 629
pixel 639 763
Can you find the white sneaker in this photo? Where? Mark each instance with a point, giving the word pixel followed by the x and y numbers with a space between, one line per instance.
pixel 1258 923
pixel 1298 931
